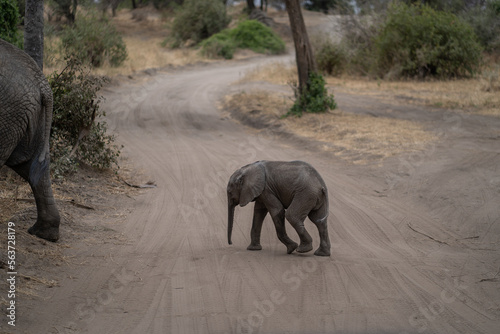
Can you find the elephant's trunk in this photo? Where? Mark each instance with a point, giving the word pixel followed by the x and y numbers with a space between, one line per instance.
pixel 230 219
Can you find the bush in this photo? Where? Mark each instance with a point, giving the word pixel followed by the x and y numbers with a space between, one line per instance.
pixel 78 132
pixel 249 34
pixel 315 99
pixel 330 58
pixel 94 40
pixel 219 45
pixel 417 40
pixel 197 20
pixel 253 35
pixel 485 20
pixel 9 19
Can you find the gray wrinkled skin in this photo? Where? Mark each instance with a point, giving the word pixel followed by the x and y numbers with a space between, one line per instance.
pixel 25 120
pixel 292 190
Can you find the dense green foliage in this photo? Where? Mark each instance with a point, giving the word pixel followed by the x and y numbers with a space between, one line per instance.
pixel 314 99
pixel 416 40
pixel 9 19
pixel 78 130
pixel 221 44
pixel 249 34
pixel 94 40
pixel 197 20
pixel 406 41
pixel 486 24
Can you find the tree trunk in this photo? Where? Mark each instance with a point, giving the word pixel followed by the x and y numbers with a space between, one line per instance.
pixel 303 51
pixel 33 30
pixel 251 6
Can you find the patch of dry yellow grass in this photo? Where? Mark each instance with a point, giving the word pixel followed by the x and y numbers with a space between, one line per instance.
pixel 480 95
pixel 355 138
pixel 279 73
pixel 465 94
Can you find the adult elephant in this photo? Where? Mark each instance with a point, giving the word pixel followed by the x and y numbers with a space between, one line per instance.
pixel 25 121
pixel 292 190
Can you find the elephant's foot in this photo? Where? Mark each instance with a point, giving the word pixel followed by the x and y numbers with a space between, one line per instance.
pixel 305 247
pixel 50 233
pixel 291 247
pixel 322 252
pixel 254 247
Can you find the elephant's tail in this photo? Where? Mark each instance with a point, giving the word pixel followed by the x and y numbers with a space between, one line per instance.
pixel 47 104
pixel 39 166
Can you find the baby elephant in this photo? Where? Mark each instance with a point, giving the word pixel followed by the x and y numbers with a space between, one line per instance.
pixel 294 190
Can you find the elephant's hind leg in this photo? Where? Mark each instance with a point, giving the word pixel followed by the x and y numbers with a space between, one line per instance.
pixel 296 214
pixel 277 213
pixel 319 218
pixel 48 219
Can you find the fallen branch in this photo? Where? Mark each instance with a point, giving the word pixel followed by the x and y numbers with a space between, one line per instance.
pixel 492 279
pixel 71 201
pixel 428 236
pixel 149 184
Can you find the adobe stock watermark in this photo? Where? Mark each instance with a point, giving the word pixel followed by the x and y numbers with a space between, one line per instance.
pixel 292 280
pixel 408 165
pixel 422 319
pixel 86 311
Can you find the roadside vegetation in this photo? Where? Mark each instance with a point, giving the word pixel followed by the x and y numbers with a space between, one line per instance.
pixel 439 54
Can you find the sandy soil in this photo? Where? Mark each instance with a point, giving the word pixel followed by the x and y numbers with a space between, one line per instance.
pixel 415 240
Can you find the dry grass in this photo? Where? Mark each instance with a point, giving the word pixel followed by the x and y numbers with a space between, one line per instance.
pixel 466 94
pixel 355 138
pixel 279 73
pixel 143 32
pixel 480 95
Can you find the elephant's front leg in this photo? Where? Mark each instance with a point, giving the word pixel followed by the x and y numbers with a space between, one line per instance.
pixel 259 213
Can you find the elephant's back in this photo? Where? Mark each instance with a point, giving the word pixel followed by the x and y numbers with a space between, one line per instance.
pixel 19 74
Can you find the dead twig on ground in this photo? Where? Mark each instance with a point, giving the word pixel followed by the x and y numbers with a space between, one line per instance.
pixel 149 184
pixel 428 236
pixel 491 279
pixel 71 201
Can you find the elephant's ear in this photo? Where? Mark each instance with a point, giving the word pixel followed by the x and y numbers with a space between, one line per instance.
pixel 253 182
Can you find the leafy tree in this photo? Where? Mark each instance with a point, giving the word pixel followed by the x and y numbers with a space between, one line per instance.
pixel 417 40
pixel 94 40
pixel 9 19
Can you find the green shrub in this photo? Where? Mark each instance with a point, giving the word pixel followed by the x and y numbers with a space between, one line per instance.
pixel 249 34
pixel 78 131
pixel 331 58
pixel 253 35
pixel 197 20
pixel 417 40
pixel 9 19
pixel 94 40
pixel 315 98
pixel 485 20
pixel 219 45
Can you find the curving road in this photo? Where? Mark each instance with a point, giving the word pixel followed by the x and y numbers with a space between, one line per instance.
pixel 177 274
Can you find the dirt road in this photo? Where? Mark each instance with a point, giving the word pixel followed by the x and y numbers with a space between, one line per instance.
pixel 415 242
